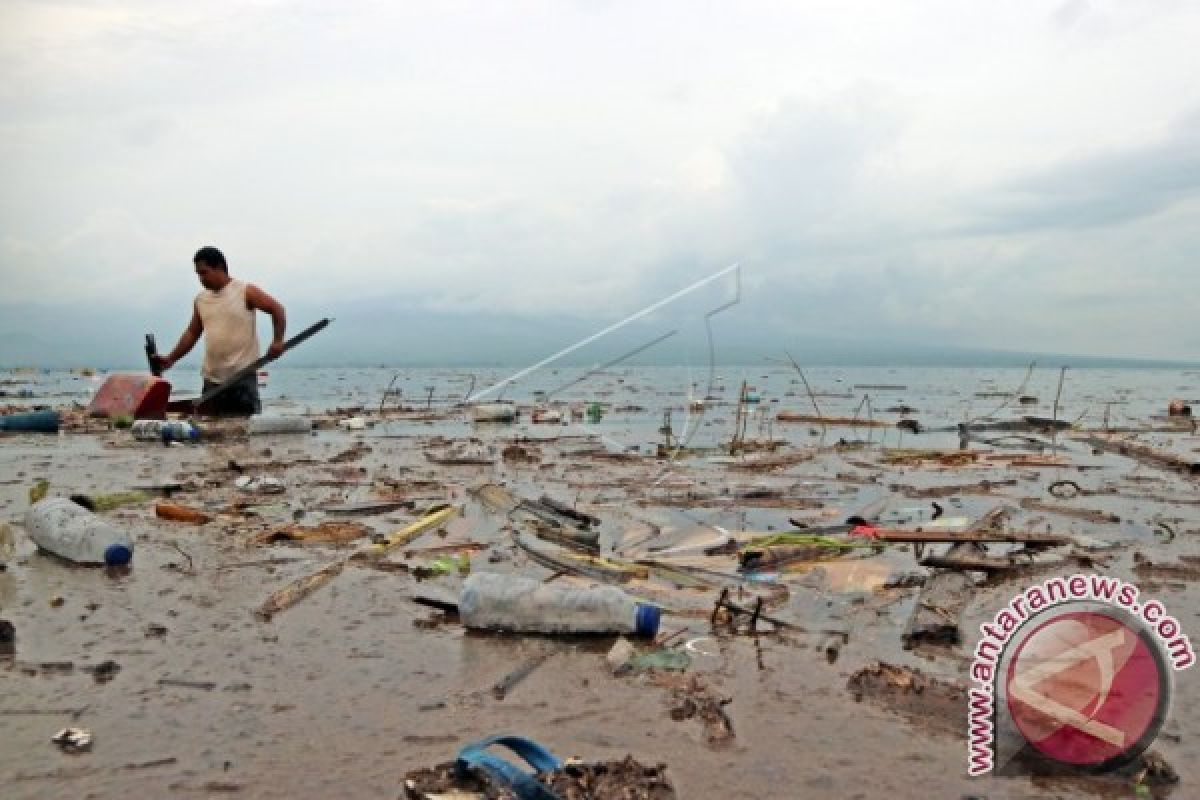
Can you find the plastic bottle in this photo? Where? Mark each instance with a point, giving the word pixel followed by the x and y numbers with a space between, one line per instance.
pixel 69 530
pixel 268 425
pixel 31 421
pixel 510 603
pixel 165 430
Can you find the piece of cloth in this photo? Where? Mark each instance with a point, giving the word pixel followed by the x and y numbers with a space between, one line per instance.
pixel 239 400
pixel 230 336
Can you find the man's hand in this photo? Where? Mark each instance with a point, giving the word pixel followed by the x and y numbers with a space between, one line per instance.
pixel 276 349
pixel 162 363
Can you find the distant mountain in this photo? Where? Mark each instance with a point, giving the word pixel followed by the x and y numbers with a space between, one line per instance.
pixel 379 333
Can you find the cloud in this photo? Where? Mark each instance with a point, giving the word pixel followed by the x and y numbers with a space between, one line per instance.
pixel 1102 189
pixel 995 176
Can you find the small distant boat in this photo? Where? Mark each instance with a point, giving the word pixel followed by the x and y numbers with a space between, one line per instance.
pixel 494 412
pixel 262 377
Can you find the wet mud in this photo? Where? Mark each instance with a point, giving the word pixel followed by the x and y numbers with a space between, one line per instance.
pixel 186 690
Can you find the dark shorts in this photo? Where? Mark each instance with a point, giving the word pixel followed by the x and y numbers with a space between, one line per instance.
pixel 239 400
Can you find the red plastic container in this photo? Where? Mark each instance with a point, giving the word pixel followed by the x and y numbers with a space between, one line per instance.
pixel 140 396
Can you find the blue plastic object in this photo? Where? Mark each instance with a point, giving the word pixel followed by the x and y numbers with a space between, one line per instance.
pixel 647 619
pixel 116 555
pixel 475 757
pixel 31 421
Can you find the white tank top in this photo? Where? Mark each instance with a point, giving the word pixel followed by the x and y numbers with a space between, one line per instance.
pixel 230 337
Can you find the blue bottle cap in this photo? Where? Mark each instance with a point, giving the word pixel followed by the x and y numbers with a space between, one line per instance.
pixel 116 555
pixel 647 619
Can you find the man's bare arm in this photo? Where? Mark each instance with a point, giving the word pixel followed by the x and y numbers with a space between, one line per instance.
pixel 187 341
pixel 258 300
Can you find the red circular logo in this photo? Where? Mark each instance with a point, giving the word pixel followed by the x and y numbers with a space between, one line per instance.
pixel 1088 689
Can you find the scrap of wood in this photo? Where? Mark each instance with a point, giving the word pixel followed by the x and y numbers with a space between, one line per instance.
pixel 1144 454
pixel 326 532
pixel 842 422
pixel 296 591
pixel 982 487
pixel 1026 537
pixel 1087 514
pixel 983 563
pixel 946 593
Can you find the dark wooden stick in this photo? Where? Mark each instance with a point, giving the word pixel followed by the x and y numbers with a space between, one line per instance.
pixel 262 362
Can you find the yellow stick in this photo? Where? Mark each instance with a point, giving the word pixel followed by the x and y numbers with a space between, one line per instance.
pixel 301 588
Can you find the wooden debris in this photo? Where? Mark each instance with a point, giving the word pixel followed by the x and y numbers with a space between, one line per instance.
pixel 368 507
pixel 841 422
pixel 948 458
pixel 1024 537
pixel 946 593
pixel 1023 559
pixel 325 533
pixel 770 462
pixel 1144 454
pixel 983 487
pixel 926 701
pixel 297 590
pixel 180 513
pixel 1086 514
pixel 1145 569
pixel 940 604
pixel 695 699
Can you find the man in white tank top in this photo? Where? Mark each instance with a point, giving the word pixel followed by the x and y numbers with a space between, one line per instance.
pixel 224 314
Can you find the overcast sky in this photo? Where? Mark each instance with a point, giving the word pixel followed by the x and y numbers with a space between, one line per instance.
pixel 1012 175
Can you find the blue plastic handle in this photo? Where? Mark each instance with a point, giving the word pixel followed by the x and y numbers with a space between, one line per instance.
pixel 527 787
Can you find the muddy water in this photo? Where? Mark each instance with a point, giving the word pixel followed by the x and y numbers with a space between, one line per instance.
pixel 343 693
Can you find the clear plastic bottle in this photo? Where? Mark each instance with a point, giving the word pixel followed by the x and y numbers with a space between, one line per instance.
pixel 165 430
pixel 511 603
pixel 69 530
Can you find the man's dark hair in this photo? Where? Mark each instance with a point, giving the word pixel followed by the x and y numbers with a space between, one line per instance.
pixel 212 257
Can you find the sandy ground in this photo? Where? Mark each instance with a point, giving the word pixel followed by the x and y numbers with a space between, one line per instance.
pixel 342 694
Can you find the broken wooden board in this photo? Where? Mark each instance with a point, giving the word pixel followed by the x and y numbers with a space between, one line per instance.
pixel 300 588
pixel 325 533
pixel 950 537
pixel 940 604
pixel 946 593
pixel 1144 454
pixel 976 562
pixel 368 507
pixel 1086 514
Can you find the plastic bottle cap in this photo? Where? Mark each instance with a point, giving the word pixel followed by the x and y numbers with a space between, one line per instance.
pixel 647 619
pixel 116 555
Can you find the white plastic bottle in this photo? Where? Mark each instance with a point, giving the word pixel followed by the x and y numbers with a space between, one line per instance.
pixel 511 603
pixel 280 424
pixel 147 429
pixel 165 430
pixel 71 531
